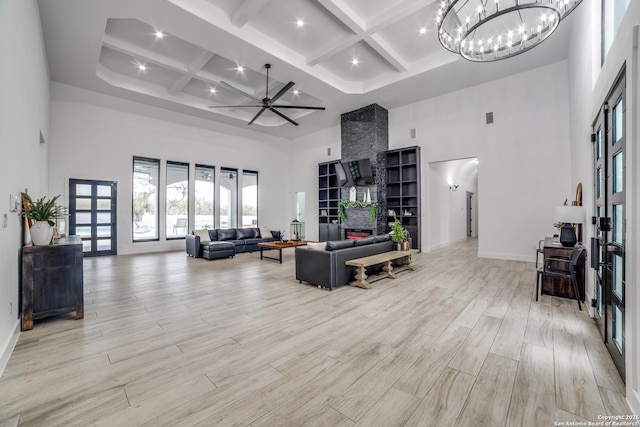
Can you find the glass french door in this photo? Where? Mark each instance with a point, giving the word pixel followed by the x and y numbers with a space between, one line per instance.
pixel 609 191
pixel 92 215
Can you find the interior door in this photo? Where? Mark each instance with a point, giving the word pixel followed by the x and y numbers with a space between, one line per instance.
pixel 609 160
pixel 92 215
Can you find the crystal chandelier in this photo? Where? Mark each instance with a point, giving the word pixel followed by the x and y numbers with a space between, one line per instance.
pixel 490 30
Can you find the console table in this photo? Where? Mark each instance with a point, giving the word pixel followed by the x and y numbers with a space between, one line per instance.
pixel 52 280
pixel 559 286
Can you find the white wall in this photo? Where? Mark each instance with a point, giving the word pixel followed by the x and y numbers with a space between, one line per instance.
pixel 588 89
pixel 524 162
pixel 447 219
pixel 523 156
pixel 308 151
pixel 24 113
pixel 92 141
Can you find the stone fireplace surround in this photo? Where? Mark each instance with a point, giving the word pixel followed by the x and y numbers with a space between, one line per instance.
pixel 365 134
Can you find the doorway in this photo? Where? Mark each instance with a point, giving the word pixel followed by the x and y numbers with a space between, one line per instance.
pixel 610 212
pixel 92 215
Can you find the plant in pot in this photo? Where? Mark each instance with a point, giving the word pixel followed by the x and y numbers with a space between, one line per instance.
pixel 398 234
pixel 42 214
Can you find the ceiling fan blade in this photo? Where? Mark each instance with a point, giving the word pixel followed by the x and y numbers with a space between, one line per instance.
pixel 228 86
pixel 235 106
pixel 298 107
pixel 257 115
pixel 282 92
pixel 283 116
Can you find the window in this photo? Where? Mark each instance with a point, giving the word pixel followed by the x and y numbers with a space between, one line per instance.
pixel 228 198
pixel 249 199
pixel 612 13
pixel 177 199
pixel 146 173
pixel 205 196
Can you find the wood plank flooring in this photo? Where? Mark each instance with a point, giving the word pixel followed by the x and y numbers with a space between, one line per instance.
pixel 169 340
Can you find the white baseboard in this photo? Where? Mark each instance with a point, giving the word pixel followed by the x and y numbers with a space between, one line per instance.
pixel 633 399
pixel 11 344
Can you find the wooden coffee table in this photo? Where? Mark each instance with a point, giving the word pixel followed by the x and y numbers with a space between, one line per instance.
pixel 279 246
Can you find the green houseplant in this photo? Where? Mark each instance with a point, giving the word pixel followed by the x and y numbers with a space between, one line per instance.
pixel 398 234
pixel 42 214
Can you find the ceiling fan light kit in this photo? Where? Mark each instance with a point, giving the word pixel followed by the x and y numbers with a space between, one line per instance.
pixel 491 30
pixel 266 103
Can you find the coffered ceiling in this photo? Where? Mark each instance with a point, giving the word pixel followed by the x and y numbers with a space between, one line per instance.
pixel 113 47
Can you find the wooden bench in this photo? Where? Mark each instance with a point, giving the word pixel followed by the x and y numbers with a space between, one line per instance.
pixel 384 258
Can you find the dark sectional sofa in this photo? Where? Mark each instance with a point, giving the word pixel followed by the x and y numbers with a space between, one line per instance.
pixel 325 266
pixel 226 242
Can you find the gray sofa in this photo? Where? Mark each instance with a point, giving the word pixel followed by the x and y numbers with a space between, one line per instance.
pixel 227 242
pixel 326 268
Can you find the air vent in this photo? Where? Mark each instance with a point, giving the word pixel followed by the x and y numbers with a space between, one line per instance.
pixel 490 117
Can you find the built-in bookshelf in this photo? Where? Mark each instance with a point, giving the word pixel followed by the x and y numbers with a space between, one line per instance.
pixel 328 202
pixel 403 189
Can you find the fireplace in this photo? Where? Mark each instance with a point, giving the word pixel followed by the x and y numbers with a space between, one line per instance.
pixel 353 233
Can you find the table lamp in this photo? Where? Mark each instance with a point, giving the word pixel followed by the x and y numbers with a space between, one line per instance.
pixel 569 215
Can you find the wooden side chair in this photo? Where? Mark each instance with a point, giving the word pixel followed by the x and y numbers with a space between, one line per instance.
pixel 562 267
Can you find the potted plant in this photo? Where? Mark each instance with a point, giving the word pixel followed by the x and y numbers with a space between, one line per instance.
pixel 42 214
pixel 398 234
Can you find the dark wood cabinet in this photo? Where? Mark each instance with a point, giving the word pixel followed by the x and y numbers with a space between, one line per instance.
pixel 328 202
pixel 559 286
pixel 403 189
pixel 52 280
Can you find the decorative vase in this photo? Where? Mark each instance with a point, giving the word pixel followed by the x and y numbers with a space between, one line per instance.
pixel 405 245
pixel 398 246
pixel 41 233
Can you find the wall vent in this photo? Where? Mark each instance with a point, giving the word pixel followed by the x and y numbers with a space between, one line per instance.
pixel 412 133
pixel 490 117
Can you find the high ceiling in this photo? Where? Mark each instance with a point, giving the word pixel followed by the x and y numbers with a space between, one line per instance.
pixel 100 44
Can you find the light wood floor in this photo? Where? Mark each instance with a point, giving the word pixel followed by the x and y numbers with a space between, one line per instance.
pixel 173 341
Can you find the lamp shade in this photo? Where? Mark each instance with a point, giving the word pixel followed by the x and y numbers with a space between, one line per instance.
pixel 569 214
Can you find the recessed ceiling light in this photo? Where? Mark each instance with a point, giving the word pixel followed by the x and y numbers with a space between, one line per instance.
pixel 355 61
pixel 423 30
pixel 159 34
pixel 212 90
pixel 296 91
pixel 240 68
pixel 142 67
pixel 300 23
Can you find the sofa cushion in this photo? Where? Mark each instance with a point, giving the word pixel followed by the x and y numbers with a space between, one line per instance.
pixel 319 246
pixel 203 234
pixel 245 233
pixel 226 234
pixel 265 232
pixel 213 234
pixel 252 241
pixel 382 238
pixel 238 242
pixel 217 246
pixel 365 241
pixel 340 244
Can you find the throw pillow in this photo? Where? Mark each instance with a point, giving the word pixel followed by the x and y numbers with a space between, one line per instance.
pixel 320 246
pixel 203 234
pixel 265 232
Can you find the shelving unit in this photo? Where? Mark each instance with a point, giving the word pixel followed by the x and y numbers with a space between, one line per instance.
pixel 328 200
pixel 403 189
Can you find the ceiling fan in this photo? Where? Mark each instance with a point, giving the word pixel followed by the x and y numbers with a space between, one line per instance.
pixel 266 103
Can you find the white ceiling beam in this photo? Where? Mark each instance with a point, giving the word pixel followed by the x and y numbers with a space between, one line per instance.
pixel 332 49
pixel 345 14
pixel 397 13
pixel 349 18
pixel 246 10
pixel 383 49
pixel 194 69
pixel 138 52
